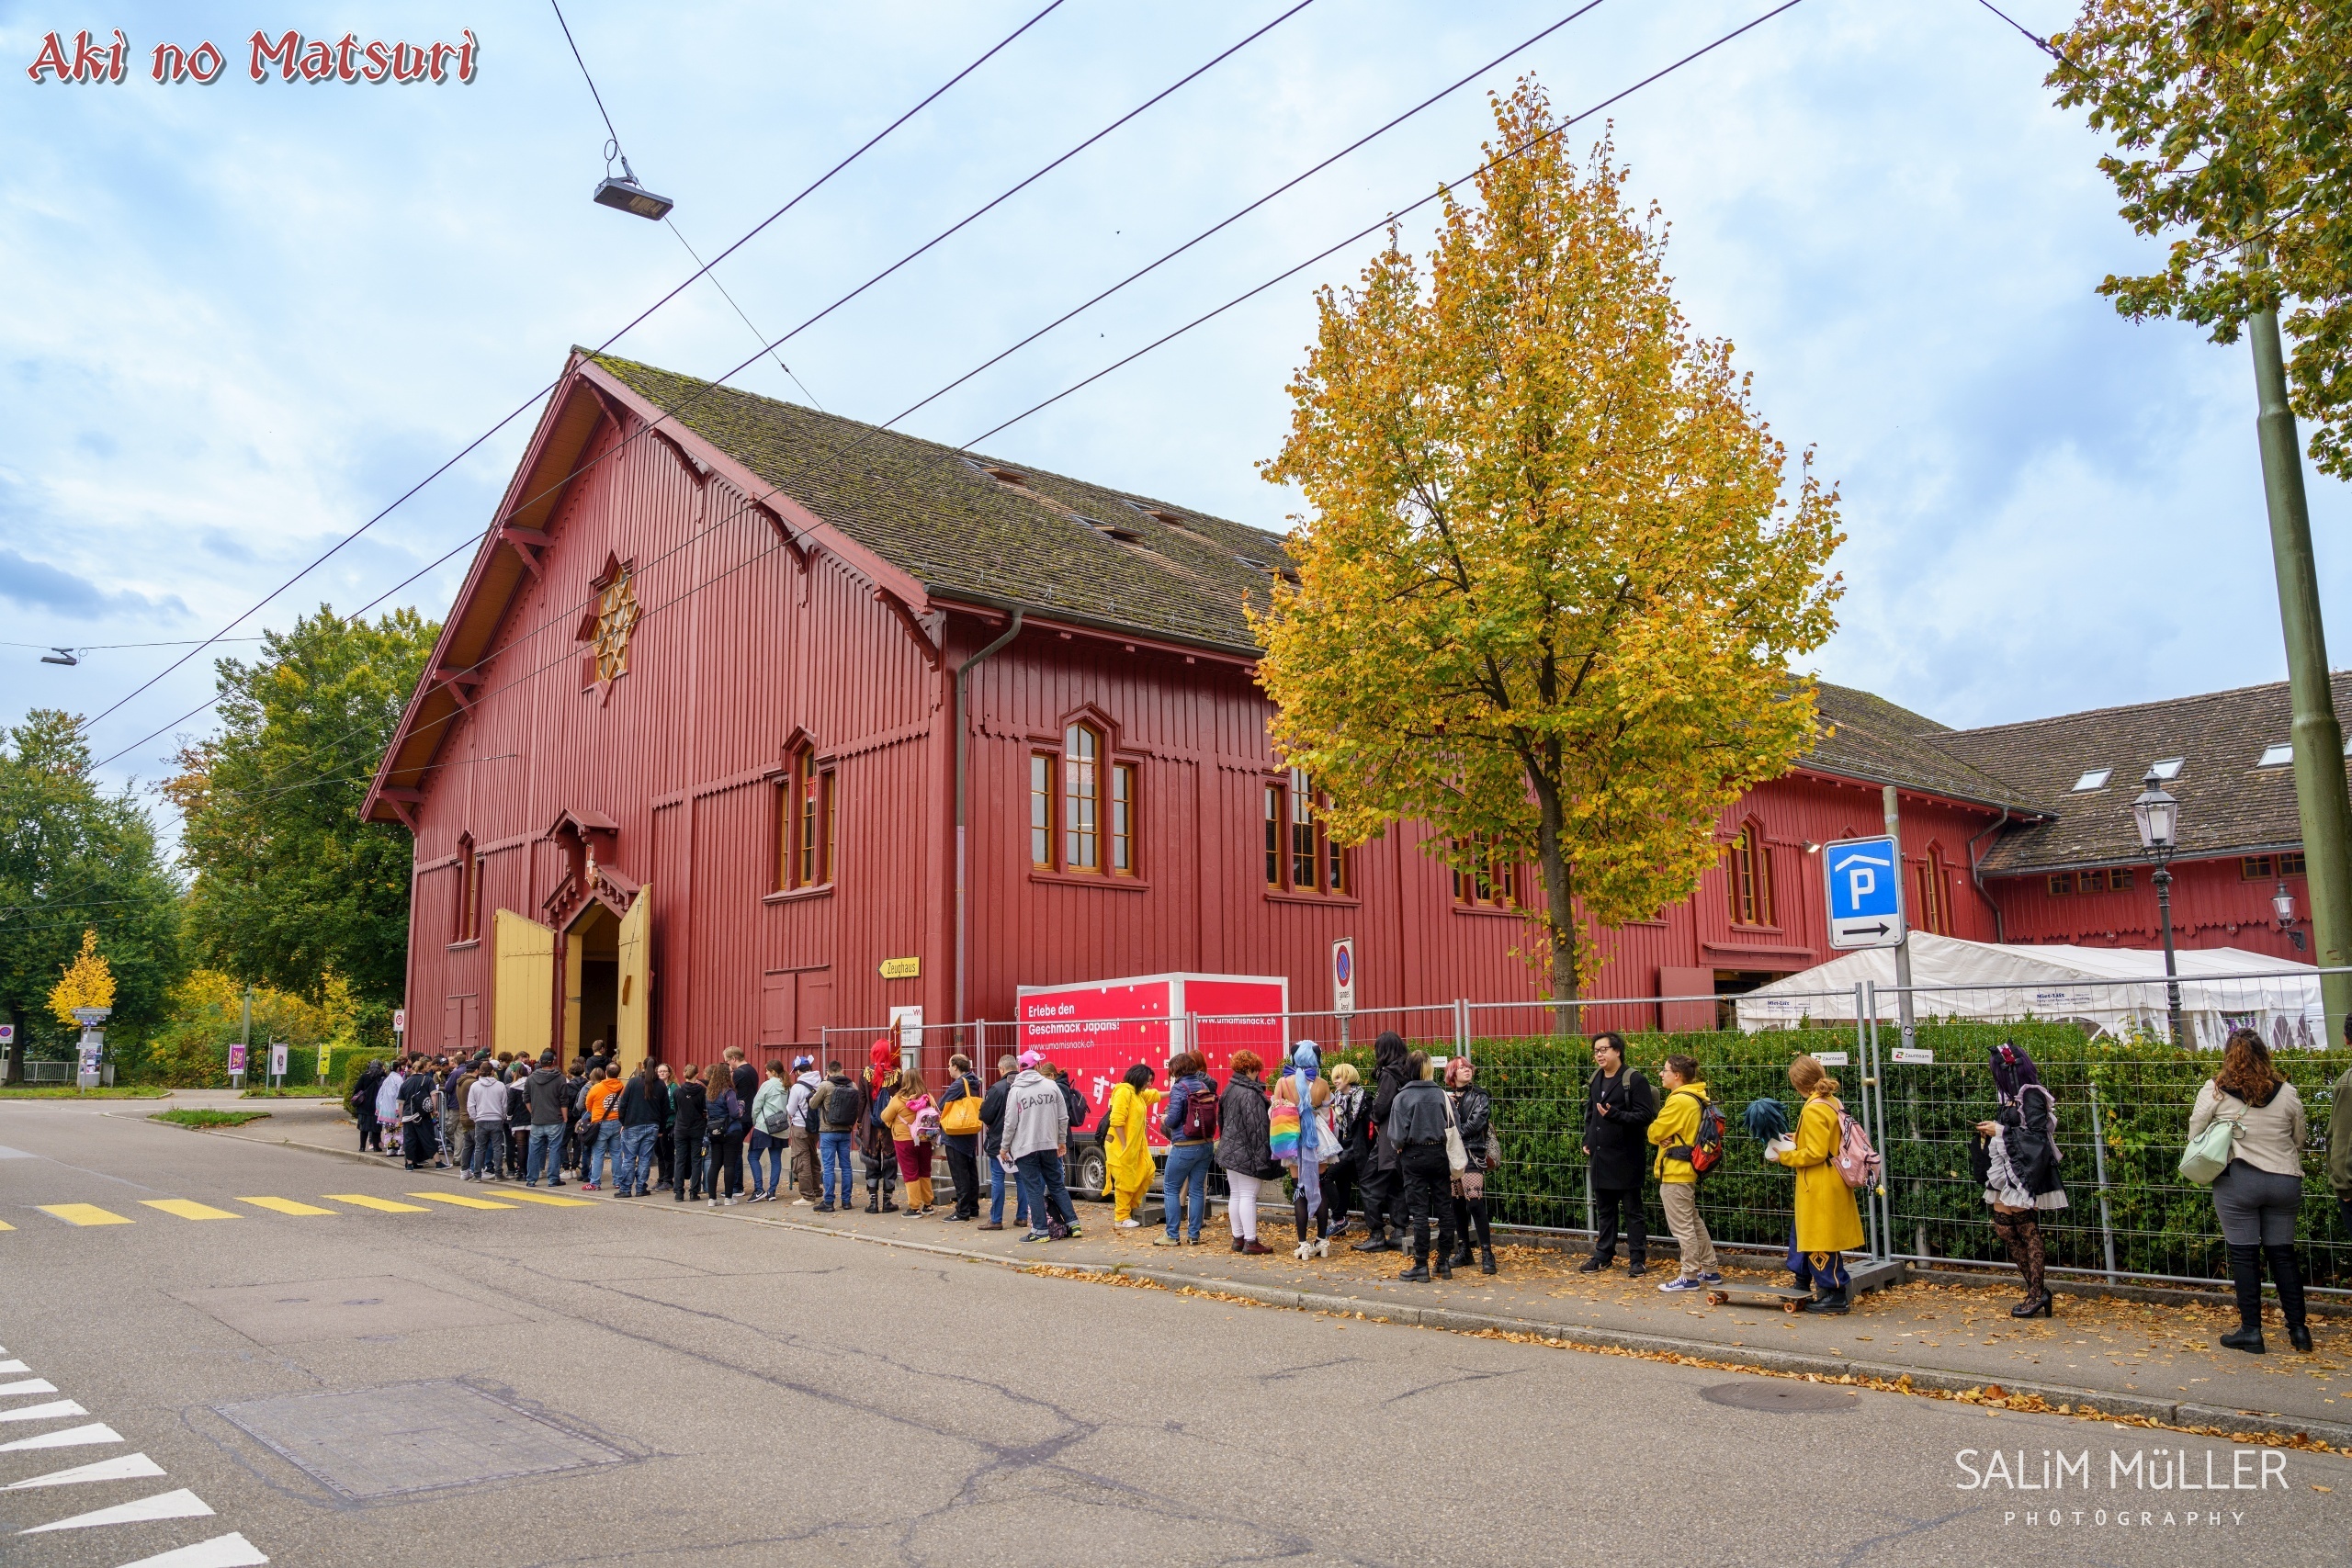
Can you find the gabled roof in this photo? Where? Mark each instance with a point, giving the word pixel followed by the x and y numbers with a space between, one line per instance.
pixel 1871 740
pixel 2228 804
pixel 971 527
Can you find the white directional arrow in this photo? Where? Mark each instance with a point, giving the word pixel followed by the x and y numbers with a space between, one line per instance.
pixel 71 1437
pixel 129 1467
pixel 180 1504
pixel 231 1550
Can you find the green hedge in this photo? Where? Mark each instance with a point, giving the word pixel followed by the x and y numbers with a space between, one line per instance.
pixel 2162 1225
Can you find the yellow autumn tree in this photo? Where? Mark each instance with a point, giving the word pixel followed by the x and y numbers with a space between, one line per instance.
pixel 1554 573
pixel 86 983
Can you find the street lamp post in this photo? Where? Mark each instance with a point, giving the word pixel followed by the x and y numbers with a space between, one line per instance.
pixel 2157 815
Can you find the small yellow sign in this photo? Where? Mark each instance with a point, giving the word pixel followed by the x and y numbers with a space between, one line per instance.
pixel 902 969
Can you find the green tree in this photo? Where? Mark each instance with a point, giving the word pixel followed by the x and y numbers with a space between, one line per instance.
pixel 291 887
pixel 74 859
pixel 2234 123
pixel 1550 583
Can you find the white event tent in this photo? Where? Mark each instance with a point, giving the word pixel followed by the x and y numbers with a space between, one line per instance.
pixel 2112 990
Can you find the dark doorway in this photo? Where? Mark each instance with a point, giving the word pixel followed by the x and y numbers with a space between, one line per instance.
pixel 592 1008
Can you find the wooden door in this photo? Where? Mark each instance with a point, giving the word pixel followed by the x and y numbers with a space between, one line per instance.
pixel 469 1025
pixel 816 1009
pixel 779 1016
pixel 635 999
pixel 523 1002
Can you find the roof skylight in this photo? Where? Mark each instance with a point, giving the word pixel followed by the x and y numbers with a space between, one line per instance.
pixel 2276 756
pixel 2095 779
pixel 2168 769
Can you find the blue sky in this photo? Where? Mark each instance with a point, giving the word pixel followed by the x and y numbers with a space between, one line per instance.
pixel 241 318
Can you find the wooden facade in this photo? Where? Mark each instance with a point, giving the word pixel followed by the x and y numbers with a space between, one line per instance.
pixel 683 775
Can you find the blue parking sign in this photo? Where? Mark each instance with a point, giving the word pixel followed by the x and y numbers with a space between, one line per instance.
pixel 1865 888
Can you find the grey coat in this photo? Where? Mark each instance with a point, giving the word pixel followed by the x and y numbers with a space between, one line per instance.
pixel 1242 1144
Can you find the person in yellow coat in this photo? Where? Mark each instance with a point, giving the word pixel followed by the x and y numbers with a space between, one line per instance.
pixel 1826 1222
pixel 1125 1149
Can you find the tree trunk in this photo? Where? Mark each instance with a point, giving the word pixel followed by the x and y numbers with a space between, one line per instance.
pixel 1567 1017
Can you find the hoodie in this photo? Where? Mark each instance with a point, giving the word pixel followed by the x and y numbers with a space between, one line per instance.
pixel 546 1089
pixel 796 1103
pixel 1036 1118
pixel 1676 1123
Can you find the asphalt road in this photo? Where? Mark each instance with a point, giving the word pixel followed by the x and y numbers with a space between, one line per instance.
pixel 642 1382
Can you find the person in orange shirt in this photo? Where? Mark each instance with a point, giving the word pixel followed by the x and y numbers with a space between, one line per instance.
pixel 602 1113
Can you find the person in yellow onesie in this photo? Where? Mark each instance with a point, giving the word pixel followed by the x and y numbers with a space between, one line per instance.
pixel 1125 1149
pixel 1827 1219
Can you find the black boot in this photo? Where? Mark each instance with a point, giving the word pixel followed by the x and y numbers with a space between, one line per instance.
pixel 1376 1239
pixel 2287 1273
pixel 2245 1276
pixel 1419 1272
pixel 1486 1260
pixel 1463 1257
pixel 1835 1302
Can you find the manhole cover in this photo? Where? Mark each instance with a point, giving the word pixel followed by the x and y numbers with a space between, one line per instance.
pixel 1777 1394
pixel 383 1443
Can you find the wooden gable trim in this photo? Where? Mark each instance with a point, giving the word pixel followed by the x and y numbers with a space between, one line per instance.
pixel 915 629
pixel 784 535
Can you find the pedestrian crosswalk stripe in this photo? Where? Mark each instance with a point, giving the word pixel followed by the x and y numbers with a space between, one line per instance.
pixel 180 1504
pixel 72 1437
pixel 42 1412
pixel 189 1209
pixel 461 1201
pixel 127 1467
pixel 84 1214
pixel 386 1204
pixel 28 1386
pixel 231 1550
pixel 13 1366
pixel 286 1206
pixel 549 1199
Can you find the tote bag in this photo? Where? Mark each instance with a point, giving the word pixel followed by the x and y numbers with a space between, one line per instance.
pixel 2207 1154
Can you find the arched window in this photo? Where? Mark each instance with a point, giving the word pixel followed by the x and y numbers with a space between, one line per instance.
pixel 466 925
pixel 1750 877
pixel 1084 807
pixel 805 831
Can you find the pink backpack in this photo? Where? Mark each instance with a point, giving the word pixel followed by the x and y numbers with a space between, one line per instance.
pixel 1859 1165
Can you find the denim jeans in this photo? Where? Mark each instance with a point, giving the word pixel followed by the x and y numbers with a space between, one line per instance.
pixel 832 1151
pixel 1042 1189
pixel 637 1156
pixel 1188 1171
pixel 772 1149
pixel 490 1146
pixel 545 1153
pixel 603 1149
pixel 998 1179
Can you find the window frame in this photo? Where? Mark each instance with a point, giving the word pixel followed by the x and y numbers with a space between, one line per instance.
pixel 1755 910
pixel 1330 869
pixel 1115 805
pixel 807 803
pixel 1491 885
pixel 466 923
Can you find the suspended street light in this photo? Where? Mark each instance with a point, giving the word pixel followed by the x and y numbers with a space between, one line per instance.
pixel 624 194
pixel 61 656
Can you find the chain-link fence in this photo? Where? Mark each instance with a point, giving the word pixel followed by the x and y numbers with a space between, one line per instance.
pixel 2124 1094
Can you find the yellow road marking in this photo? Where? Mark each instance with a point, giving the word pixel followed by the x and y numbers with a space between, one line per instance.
pixel 188 1208
pixel 549 1199
pixel 461 1201
pixel 5 1225
pixel 84 1214
pixel 386 1204
pixel 285 1206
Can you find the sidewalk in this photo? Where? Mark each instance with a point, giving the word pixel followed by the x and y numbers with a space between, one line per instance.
pixel 2124 1358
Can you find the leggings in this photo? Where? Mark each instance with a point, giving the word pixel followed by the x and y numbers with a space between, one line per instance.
pixel 1241 1209
pixel 1338 1193
pixel 1469 1219
pixel 2021 1233
pixel 726 1158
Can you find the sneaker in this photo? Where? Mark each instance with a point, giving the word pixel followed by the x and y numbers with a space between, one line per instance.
pixel 1037 1236
pixel 1682 1286
pixel 1165 1241
pixel 1252 1247
pixel 993 1225
pixel 1131 1224
pixel 800 1203
pixel 590 1186
pixel 1711 1277
pixel 824 1209
pixel 730 1203
pixel 1635 1271
pixel 1593 1265
pixel 713 1203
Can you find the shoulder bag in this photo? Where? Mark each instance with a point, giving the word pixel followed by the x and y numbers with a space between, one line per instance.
pixel 2207 1154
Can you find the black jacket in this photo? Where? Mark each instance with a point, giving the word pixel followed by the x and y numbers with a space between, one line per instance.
pixel 962 1086
pixel 641 1101
pixel 992 1115
pixel 1620 1141
pixel 692 1112
pixel 1387 1079
pixel 1242 1143
pixel 1417 1116
pixel 1474 1114
pixel 1075 1103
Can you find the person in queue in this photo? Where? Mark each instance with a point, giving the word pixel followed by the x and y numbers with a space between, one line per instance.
pixel 1619 1106
pixel 1418 1121
pixel 2259 1192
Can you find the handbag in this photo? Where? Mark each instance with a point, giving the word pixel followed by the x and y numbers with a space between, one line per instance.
pixel 1457 1158
pixel 960 1117
pixel 2207 1154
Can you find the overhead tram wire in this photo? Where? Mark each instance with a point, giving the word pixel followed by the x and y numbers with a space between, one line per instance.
pixel 765 349
pixel 2031 37
pixel 832 459
pixel 1097 299
pixel 525 406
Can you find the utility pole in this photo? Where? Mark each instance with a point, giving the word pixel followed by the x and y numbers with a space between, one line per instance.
pixel 1902 948
pixel 2320 795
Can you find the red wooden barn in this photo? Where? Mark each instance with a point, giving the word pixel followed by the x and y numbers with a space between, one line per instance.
pixel 750 720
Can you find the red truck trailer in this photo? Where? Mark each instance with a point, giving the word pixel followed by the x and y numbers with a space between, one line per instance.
pixel 1096 1029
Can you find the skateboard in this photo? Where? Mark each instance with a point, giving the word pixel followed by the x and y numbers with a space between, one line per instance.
pixel 1784 1297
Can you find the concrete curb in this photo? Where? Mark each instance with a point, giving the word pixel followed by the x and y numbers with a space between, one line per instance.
pixel 2087 1402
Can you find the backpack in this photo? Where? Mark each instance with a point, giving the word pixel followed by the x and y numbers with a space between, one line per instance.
pixel 841 1108
pixel 1859 1165
pixel 922 1119
pixel 1200 1115
pixel 961 1116
pixel 1705 1149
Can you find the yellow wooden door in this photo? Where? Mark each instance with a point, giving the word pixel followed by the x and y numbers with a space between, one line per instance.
pixel 636 998
pixel 523 1019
